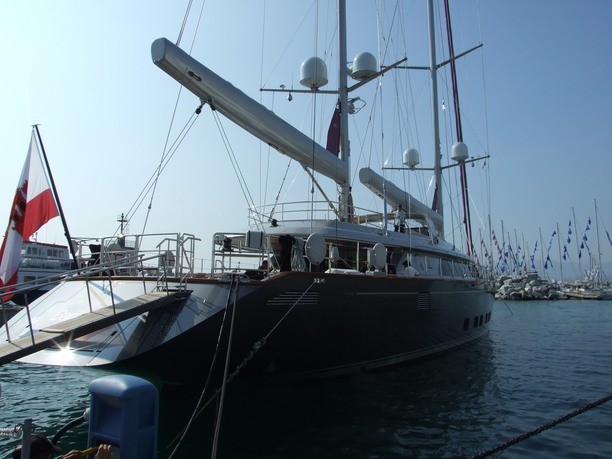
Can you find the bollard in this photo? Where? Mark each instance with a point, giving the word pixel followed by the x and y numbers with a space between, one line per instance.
pixel 124 412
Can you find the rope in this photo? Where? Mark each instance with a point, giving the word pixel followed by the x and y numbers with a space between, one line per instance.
pixel 544 427
pixel 199 407
pixel 225 369
pixel 254 350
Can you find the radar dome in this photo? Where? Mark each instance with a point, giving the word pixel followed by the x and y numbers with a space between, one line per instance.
pixel 459 152
pixel 313 73
pixel 412 158
pixel 364 66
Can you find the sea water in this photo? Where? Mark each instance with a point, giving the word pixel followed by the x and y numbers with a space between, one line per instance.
pixel 540 361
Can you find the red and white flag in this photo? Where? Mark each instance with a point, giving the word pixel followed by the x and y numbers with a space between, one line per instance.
pixel 32 207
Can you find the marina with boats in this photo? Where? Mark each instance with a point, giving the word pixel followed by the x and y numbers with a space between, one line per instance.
pixel 320 285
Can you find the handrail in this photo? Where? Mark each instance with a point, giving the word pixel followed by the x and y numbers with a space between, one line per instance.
pixel 80 273
pixel 320 209
pixel 77 274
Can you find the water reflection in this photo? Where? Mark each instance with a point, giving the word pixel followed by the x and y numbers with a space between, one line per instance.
pixel 431 405
pixel 539 362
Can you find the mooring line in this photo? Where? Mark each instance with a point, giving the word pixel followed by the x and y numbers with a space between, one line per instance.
pixel 200 407
pixel 542 428
pixel 178 440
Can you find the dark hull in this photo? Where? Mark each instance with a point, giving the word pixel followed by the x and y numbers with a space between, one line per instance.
pixel 310 325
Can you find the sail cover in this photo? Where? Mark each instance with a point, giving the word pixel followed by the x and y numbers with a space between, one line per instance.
pixel 246 112
pixel 394 195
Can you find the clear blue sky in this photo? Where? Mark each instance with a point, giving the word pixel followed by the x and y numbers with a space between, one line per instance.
pixel 83 71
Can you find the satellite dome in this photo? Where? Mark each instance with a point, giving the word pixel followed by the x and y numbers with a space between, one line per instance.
pixel 459 152
pixel 411 158
pixel 313 73
pixel 364 66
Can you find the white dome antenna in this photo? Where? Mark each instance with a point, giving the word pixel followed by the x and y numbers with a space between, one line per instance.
pixel 459 152
pixel 364 66
pixel 411 158
pixel 313 73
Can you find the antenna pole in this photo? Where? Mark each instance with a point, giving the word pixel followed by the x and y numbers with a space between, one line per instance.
pixel 56 196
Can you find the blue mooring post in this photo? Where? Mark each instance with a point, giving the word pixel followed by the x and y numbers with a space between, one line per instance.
pixel 124 412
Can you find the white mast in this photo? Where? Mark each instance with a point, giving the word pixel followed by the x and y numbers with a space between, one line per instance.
pixel 434 109
pixel 343 96
pixel 576 236
pixel 599 268
pixel 559 244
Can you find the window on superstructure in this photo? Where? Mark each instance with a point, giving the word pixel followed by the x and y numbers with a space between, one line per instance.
pixel 418 263
pixel 447 268
pixel 433 266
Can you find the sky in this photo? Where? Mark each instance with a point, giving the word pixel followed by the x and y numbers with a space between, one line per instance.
pixel 535 98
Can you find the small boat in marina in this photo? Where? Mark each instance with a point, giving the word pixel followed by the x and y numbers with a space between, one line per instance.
pixel 592 287
pixel 586 293
pixel 39 261
pixel 306 290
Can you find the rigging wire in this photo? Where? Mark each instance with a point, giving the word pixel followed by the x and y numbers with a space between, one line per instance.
pixel 167 154
pixel 263 183
pixel 180 36
pixel 280 188
pixel 197 27
pixel 313 125
pixel 487 148
pixel 289 43
pixel 151 184
pixel 232 157
pixel 257 346
pixel 224 383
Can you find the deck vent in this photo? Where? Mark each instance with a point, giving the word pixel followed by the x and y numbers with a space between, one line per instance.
pixel 423 301
pixel 288 299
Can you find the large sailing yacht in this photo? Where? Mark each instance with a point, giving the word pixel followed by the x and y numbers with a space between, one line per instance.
pixel 336 291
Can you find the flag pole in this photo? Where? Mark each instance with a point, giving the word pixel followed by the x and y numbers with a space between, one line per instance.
pixel 56 197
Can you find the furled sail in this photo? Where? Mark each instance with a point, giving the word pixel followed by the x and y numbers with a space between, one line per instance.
pixel 244 111
pixel 394 195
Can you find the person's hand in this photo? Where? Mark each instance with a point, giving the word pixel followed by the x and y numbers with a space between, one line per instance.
pixel 104 452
